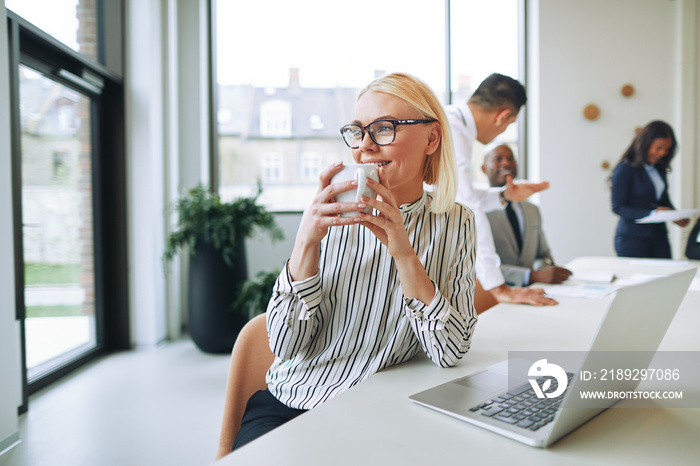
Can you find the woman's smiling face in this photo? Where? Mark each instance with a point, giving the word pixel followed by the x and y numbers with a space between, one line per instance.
pixel 401 162
pixel 658 149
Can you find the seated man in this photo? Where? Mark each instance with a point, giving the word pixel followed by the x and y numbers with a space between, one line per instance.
pixel 692 249
pixel 517 230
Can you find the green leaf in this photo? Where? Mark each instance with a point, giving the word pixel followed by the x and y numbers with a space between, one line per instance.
pixel 255 292
pixel 201 214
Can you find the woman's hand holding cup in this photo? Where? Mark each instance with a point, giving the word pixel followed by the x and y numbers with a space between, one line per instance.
pixel 320 215
pixel 360 173
pixel 338 199
pixel 388 224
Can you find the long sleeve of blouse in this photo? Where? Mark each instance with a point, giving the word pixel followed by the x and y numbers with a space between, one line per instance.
pixel 351 319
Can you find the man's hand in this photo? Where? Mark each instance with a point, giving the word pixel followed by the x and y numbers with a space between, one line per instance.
pixel 534 296
pixel 550 274
pixel 520 191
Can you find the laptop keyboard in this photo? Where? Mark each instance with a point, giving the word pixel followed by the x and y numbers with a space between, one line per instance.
pixel 522 408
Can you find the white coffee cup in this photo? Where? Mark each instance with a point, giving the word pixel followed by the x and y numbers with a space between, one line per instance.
pixel 359 173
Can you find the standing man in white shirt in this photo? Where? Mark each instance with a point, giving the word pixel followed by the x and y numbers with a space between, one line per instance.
pixel 488 112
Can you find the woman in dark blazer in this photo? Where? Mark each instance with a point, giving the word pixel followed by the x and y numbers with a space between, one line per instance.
pixel 639 187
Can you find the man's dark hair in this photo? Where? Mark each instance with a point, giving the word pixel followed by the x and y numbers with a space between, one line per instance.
pixel 498 91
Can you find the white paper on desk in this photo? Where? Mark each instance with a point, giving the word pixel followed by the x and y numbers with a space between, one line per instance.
pixel 661 216
pixel 593 277
pixel 579 291
pixel 597 291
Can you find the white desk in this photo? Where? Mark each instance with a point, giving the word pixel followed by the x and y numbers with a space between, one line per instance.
pixel 374 423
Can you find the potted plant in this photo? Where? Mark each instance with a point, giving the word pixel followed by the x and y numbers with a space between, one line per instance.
pixel 214 232
pixel 256 292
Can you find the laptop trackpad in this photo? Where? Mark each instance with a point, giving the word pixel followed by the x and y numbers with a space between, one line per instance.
pixel 487 381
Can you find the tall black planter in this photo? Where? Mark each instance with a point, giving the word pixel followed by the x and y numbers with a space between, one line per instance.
pixel 213 287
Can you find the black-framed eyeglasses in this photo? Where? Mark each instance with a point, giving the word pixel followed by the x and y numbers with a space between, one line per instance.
pixel 382 132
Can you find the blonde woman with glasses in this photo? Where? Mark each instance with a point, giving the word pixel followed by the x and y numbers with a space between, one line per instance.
pixel 363 293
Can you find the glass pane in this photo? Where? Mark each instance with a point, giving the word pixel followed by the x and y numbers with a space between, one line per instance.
pixel 283 100
pixel 73 22
pixel 57 222
pixel 484 41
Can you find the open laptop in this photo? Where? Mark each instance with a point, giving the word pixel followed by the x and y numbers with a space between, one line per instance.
pixel 634 323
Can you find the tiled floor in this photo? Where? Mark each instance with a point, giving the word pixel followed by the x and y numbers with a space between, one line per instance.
pixel 148 407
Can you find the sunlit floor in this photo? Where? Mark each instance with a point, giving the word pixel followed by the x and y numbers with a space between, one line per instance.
pixel 146 407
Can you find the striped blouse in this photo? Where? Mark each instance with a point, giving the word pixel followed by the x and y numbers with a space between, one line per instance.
pixel 335 329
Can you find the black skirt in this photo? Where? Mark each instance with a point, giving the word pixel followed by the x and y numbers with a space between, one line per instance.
pixel 263 412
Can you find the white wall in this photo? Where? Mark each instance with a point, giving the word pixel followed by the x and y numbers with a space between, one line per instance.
pixel 146 144
pixel 688 109
pixel 189 43
pixel 167 150
pixel 584 52
pixel 11 385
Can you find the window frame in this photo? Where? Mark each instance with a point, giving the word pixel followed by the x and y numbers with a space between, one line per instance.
pixel 34 48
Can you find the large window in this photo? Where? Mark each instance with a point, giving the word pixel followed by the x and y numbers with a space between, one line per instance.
pixel 68 182
pixel 57 220
pixel 288 74
pixel 484 39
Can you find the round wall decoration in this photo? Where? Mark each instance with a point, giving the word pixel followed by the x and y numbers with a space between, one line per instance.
pixel 591 112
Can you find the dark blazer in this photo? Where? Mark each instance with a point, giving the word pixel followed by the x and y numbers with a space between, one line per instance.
pixel 634 197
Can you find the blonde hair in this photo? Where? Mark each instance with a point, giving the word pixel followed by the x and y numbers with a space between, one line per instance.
pixel 439 168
